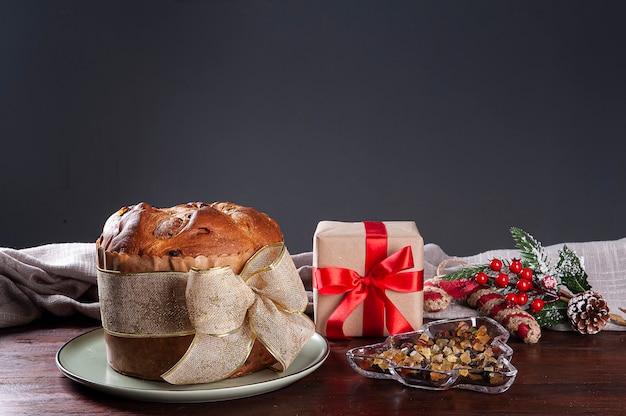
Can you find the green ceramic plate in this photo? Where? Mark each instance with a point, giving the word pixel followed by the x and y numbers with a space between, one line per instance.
pixel 83 359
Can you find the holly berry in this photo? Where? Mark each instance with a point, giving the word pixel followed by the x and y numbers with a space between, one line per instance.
pixel 522 298
pixel 526 273
pixel 548 282
pixel 481 278
pixel 537 305
pixel 501 280
pixel 524 285
pixel 496 265
pixel 515 266
pixel 511 298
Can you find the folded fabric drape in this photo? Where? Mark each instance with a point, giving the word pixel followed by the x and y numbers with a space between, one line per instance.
pixel 56 278
pixel 61 278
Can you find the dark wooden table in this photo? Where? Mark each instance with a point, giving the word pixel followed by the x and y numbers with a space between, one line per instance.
pixel 564 374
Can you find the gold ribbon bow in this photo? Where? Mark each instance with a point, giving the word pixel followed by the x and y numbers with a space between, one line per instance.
pixel 229 312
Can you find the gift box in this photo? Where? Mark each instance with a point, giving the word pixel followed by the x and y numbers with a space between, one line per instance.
pixel 367 278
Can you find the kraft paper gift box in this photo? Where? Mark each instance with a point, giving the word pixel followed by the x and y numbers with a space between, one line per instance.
pixel 367 278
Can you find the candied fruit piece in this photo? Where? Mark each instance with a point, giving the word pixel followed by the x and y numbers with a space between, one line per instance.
pixel 435 376
pixel 475 376
pixel 496 378
pixel 382 364
pixel 451 358
pixel 478 346
pixel 424 337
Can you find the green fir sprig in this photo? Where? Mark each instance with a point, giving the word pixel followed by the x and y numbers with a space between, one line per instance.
pixel 466 272
pixel 571 272
pixel 531 250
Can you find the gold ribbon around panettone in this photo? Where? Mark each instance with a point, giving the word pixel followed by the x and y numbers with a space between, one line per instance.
pixel 266 301
pixel 228 312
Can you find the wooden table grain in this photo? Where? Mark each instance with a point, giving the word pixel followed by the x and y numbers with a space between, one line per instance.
pixel 564 374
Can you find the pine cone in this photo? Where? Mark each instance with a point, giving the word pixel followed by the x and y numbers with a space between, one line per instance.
pixel 588 312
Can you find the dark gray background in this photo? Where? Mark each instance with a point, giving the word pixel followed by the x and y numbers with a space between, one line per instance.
pixel 467 117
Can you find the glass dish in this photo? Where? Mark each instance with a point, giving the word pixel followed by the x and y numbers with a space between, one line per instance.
pixel 494 377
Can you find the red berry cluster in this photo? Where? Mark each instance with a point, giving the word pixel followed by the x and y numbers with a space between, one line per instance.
pixel 518 281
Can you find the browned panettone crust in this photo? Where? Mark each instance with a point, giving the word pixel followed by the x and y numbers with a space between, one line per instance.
pixel 184 236
pixel 141 238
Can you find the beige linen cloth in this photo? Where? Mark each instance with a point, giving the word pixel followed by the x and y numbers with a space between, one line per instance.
pixel 60 279
pixel 57 278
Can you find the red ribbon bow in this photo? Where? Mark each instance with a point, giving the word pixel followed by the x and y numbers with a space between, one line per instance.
pixel 382 272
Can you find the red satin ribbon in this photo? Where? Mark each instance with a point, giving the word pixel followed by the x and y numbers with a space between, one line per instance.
pixel 375 251
pixel 381 273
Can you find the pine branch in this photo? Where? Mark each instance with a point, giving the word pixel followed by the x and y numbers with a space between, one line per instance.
pixel 570 271
pixel 466 272
pixel 531 250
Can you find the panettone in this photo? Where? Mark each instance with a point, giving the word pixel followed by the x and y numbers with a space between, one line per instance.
pixel 141 238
